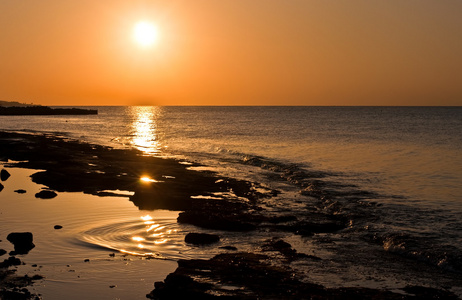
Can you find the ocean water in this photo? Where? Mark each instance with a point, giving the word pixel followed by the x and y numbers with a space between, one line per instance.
pixel 395 171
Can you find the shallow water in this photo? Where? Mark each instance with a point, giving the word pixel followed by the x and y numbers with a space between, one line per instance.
pixel 60 254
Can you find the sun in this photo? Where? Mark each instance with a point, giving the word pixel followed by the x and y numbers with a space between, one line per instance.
pixel 145 33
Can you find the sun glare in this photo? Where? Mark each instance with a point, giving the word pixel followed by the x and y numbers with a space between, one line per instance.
pixel 145 33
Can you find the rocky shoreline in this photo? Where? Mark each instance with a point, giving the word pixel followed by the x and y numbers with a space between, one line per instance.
pixel 264 273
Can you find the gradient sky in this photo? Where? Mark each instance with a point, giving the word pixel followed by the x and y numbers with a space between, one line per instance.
pixel 232 52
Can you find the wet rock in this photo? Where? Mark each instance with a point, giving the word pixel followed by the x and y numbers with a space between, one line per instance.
pixel 215 220
pixel 58 227
pixel 429 293
pixel 45 194
pixel 282 219
pixel 22 241
pixel 251 277
pixel 229 248
pixel 201 238
pixel 4 175
pixel 318 223
pixel 20 191
pixel 286 249
pixel 10 261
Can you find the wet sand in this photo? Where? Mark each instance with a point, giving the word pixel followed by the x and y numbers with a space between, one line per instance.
pixel 264 272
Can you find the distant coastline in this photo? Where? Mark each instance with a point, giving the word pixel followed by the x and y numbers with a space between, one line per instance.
pixel 8 108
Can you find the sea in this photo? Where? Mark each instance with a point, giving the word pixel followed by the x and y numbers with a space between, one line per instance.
pixel 396 172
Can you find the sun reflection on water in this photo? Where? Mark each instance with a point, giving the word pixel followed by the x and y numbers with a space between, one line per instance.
pixel 146 239
pixel 144 129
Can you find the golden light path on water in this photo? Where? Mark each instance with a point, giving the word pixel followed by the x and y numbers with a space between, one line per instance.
pixel 144 128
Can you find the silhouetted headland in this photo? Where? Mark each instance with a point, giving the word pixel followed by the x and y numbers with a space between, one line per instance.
pixel 44 110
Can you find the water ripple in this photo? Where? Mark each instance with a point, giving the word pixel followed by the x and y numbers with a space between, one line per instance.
pixel 144 236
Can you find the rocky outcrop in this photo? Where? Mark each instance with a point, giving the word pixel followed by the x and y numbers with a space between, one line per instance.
pixel 22 241
pixel 201 238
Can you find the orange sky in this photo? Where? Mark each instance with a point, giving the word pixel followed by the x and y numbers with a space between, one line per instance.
pixel 232 52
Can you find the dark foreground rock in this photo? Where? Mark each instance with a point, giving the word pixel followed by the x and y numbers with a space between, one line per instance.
pixel 13 287
pixel 46 194
pixel 10 261
pixel 251 276
pixel 201 238
pixel 22 241
pixel 4 175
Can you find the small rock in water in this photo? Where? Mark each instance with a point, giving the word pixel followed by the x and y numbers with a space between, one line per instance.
pixel 46 194
pixel 229 248
pixel 22 241
pixel 87 260
pixel 112 286
pixel 58 227
pixel 20 191
pixel 4 175
pixel 112 254
pixel 201 238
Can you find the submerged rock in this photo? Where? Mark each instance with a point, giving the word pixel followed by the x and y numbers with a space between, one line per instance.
pixel 46 194
pixel 22 241
pixel 201 238
pixel 4 175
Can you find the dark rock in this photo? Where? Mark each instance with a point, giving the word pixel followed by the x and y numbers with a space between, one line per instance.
pixel 1 187
pixel 22 241
pixel 282 219
pixel 58 227
pixel 37 277
pixel 254 278
pixel 20 191
pixel 286 249
pixel 10 261
pixel 2 252
pixel 4 175
pixel 215 220
pixel 201 238
pixel 229 248
pixel 429 293
pixel 46 194
pixel 261 280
